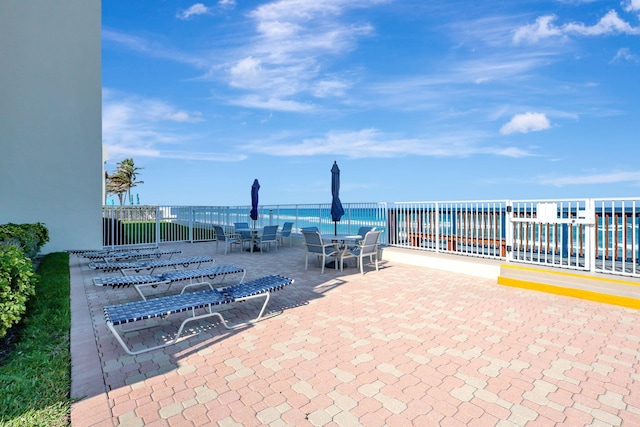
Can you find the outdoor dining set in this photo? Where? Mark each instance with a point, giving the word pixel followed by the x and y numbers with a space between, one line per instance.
pixel 257 238
pixel 339 247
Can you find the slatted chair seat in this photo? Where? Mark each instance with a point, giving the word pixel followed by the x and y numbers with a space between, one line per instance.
pixel 138 266
pixel 196 277
pixel 118 256
pixel 82 252
pixel 136 311
pixel 126 281
pixel 254 287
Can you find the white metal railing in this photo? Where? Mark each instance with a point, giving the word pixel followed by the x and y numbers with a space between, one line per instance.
pixel 474 228
pixel 552 232
pixel 598 235
pixel 136 225
pixel 616 239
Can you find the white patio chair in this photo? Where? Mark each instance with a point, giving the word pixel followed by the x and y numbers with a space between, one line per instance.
pixel 227 240
pixel 368 248
pixel 244 235
pixel 363 231
pixel 285 233
pixel 314 245
pixel 269 236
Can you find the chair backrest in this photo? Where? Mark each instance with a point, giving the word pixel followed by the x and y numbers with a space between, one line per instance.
pixel 243 234
pixel 370 242
pixel 310 229
pixel 364 230
pixel 313 241
pixel 286 229
pixel 220 235
pixel 270 232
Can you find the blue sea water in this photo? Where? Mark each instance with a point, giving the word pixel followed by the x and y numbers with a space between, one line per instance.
pixel 614 237
pixel 319 216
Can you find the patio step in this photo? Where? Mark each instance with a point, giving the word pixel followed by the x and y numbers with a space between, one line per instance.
pixel 617 290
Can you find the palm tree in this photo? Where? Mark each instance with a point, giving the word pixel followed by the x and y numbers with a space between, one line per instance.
pixel 115 185
pixel 124 179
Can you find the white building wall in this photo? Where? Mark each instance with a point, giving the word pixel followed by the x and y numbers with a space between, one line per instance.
pixel 50 119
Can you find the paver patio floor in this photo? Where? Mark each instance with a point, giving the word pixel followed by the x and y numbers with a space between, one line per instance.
pixel 402 346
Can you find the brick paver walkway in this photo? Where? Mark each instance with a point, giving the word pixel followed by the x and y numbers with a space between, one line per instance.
pixel 402 346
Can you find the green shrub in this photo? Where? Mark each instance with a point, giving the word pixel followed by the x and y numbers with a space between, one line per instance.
pixel 35 378
pixel 28 237
pixel 17 284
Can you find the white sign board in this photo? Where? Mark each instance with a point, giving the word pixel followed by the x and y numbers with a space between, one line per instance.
pixel 547 212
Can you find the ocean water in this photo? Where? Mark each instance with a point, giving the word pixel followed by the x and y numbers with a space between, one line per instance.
pixel 614 236
pixel 320 216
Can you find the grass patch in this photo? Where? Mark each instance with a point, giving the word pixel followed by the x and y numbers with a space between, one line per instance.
pixel 139 232
pixel 35 379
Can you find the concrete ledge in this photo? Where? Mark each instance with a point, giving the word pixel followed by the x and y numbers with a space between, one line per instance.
pixel 479 267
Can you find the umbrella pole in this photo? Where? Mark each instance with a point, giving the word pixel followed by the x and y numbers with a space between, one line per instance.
pixel 335 228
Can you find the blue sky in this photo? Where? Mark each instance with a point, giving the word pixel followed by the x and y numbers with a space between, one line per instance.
pixel 416 100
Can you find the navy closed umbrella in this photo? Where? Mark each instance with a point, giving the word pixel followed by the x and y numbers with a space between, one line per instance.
pixel 336 206
pixel 254 201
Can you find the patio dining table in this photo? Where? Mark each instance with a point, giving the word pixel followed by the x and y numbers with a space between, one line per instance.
pixel 254 233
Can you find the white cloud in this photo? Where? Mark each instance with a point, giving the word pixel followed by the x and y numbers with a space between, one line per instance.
pixel 139 127
pixel 605 178
pixel 544 28
pixel 227 4
pixel 541 29
pixel 295 39
pixel 327 88
pixel 527 122
pixel 631 5
pixel 194 10
pixel 272 104
pixel 152 49
pixel 609 24
pixel 200 9
pixel 371 143
pixel 625 54
pixel 246 73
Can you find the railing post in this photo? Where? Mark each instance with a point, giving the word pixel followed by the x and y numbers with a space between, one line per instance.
pixel 508 229
pixel 158 219
pixel 564 242
pixel 591 230
pixel 192 212
pixel 437 230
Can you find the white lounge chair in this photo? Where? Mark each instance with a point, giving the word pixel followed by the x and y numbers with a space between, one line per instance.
pixel 137 255
pixel 196 277
pixel 200 304
pixel 137 266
